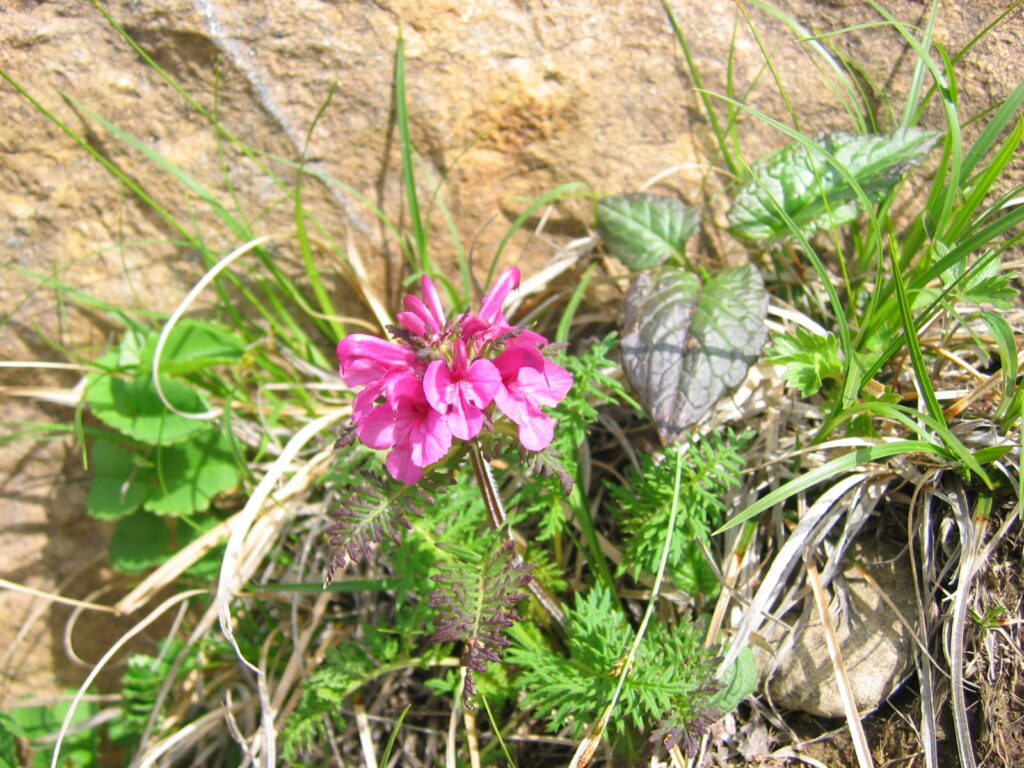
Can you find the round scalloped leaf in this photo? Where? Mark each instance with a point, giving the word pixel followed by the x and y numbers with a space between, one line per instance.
pixel 120 483
pixel 193 345
pixel 190 474
pixel 133 407
pixel 140 541
pixel 685 345
pixel 643 231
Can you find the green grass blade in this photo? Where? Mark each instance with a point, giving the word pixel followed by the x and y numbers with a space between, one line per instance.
pixel 980 186
pixel 1007 346
pixel 572 189
pixel 913 103
pixel 312 272
pixel 721 136
pixel 565 323
pixel 419 231
pixel 994 129
pixel 839 465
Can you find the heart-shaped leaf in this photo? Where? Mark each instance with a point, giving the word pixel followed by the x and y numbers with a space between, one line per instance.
pixel 811 190
pixel 140 541
pixel 643 231
pixel 685 345
pixel 191 473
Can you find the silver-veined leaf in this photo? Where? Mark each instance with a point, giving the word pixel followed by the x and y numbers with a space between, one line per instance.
pixel 685 345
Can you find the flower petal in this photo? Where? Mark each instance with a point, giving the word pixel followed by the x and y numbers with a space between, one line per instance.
pixel 517 357
pixel 437 385
pixel 490 309
pixel 537 432
pixel 377 429
pixel 433 301
pixel 482 380
pixel 365 359
pixel 399 464
pixel 546 387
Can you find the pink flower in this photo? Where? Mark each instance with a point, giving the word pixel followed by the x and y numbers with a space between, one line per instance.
pixel 425 320
pixel 490 322
pixel 373 363
pixel 417 435
pixel 529 381
pixel 461 391
pixel 439 380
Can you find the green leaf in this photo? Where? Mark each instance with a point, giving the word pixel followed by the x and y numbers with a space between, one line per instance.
pixel 192 345
pixel 808 357
pixel 133 407
pixel 739 680
pixel 813 192
pixel 140 541
pixel 8 747
pixel 643 231
pixel 40 723
pixel 120 481
pixel 989 284
pixel 684 346
pixel 190 474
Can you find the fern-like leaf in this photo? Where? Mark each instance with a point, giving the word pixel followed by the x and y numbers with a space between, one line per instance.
pixel 711 467
pixel 371 512
pixel 672 680
pixel 475 603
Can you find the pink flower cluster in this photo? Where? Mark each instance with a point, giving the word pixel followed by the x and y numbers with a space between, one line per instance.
pixel 439 381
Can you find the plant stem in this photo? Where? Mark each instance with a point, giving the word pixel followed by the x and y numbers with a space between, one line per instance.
pixel 496 511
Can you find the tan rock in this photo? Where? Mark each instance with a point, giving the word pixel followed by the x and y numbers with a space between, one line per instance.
pixel 507 98
pixel 877 648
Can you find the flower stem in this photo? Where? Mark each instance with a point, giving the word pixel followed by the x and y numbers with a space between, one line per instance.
pixel 496 511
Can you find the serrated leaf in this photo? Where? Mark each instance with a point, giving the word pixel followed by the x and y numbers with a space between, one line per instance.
pixel 134 408
pixel 988 284
pixel 188 475
pixel 643 231
pixel 813 193
pixel 684 346
pixel 140 541
pixel 119 482
pixel 808 357
pixel 192 345
pixel 739 680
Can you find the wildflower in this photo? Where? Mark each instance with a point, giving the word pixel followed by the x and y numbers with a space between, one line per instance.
pixel 461 390
pixel 444 380
pixel 416 433
pixel 528 381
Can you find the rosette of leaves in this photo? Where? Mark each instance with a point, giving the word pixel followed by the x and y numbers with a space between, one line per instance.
pixel 824 182
pixel 687 338
pixel 156 463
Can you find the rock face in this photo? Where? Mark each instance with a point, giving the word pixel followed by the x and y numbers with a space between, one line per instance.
pixel 507 99
pixel 877 647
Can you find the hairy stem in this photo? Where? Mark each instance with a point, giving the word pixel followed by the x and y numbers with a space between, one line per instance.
pixel 496 511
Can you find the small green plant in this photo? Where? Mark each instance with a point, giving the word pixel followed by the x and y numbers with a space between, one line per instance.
pixel 712 466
